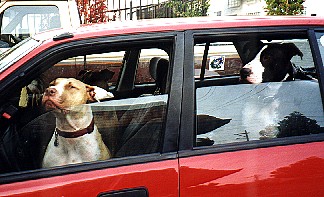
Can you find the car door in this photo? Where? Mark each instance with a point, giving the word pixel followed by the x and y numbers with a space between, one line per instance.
pixel 251 139
pixel 139 130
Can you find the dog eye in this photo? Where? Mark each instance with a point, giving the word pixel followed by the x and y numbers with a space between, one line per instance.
pixel 70 86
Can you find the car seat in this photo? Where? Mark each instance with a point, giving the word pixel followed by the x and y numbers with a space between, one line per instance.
pixel 159 71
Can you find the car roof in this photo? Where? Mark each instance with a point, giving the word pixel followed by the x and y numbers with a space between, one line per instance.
pixel 181 24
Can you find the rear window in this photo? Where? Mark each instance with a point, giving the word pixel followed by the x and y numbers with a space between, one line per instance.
pixel 231 110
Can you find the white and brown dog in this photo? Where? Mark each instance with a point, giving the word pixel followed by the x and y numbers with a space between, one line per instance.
pixel 76 138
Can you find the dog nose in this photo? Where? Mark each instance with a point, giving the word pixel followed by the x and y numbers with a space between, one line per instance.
pixel 245 72
pixel 50 91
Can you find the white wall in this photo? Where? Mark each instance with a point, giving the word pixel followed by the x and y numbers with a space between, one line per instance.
pixel 314 7
pixel 250 7
pixel 217 6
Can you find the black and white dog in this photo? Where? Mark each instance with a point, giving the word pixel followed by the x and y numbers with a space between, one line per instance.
pixel 271 64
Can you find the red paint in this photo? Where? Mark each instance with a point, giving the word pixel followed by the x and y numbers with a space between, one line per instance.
pixel 296 170
pixel 160 179
pixel 6 115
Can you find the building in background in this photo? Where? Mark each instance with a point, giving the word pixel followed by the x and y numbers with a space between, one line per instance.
pixel 135 9
pixel 314 7
pixel 237 8
pixel 256 8
pixel 143 9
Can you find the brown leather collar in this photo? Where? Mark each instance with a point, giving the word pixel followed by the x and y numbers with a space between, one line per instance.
pixel 78 133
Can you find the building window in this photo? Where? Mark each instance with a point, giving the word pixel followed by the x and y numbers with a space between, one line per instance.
pixel 234 3
pixel 250 1
pixel 253 14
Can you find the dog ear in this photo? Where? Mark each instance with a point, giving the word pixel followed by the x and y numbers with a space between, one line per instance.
pixel 91 93
pixel 291 50
pixel 82 72
pixel 84 75
pixel 108 73
pixel 96 93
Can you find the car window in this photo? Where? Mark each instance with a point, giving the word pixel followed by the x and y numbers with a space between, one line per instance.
pixel 144 73
pixel 223 59
pixel 282 100
pixel 12 55
pixel 19 22
pixel 320 41
pixel 83 67
pixel 129 116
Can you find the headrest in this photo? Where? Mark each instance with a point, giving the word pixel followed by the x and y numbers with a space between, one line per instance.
pixel 159 70
pixel 153 66
pixel 158 66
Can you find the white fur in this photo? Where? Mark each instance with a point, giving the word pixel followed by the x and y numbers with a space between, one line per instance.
pixel 256 68
pixel 102 94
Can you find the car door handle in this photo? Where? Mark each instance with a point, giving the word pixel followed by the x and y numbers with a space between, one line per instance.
pixel 138 192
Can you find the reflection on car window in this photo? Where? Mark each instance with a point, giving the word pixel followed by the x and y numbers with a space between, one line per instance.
pixel 320 41
pixel 86 108
pixel 238 103
pixel 12 55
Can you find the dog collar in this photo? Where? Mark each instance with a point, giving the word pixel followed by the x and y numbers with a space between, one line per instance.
pixel 74 134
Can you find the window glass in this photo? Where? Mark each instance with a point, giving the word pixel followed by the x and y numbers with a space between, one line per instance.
pixel 19 22
pixel 142 76
pixel 12 55
pixel 234 3
pixel 82 67
pixel 286 102
pixel 49 121
pixel 222 59
pixel 320 42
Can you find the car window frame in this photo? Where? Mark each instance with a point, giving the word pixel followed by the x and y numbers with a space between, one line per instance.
pixel 30 69
pixel 188 120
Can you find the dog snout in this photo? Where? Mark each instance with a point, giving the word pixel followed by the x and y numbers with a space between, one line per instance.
pixel 245 72
pixel 50 92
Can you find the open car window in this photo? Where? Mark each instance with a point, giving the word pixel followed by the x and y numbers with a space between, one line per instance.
pixel 128 114
pixel 230 110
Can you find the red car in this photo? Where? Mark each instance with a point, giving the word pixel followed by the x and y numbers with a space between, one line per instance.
pixel 190 115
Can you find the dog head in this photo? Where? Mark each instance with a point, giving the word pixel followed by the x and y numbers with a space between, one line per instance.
pixel 96 78
pixel 276 61
pixel 64 93
pixel 271 64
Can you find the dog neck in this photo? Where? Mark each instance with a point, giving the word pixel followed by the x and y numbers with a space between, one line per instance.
pixel 74 134
pixel 78 133
pixel 74 119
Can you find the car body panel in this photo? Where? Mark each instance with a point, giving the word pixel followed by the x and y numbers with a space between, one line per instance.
pixel 276 171
pixel 158 178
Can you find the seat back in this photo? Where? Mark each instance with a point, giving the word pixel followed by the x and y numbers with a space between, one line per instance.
pixel 159 68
